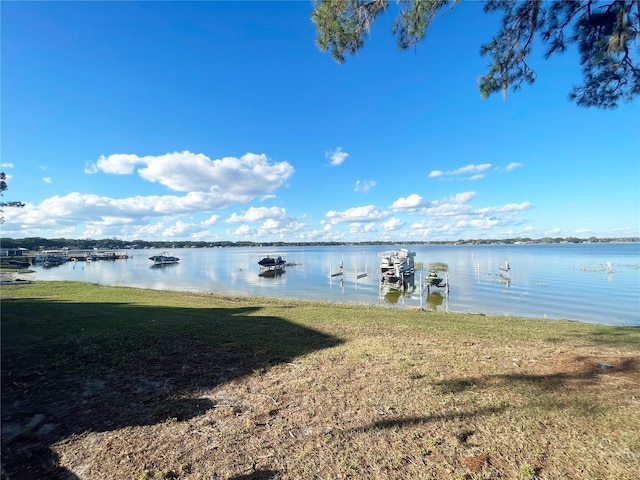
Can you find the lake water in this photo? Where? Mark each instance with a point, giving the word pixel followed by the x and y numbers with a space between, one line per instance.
pixel 596 283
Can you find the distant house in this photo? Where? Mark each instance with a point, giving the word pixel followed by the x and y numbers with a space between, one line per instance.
pixel 13 252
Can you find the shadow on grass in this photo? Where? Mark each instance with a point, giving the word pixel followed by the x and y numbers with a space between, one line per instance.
pixel 69 368
pixel 257 475
pixel 588 372
pixel 535 385
pixel 603 335
pixel 411 421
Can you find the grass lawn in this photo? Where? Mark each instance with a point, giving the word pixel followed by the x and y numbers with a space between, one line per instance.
pixel 109 382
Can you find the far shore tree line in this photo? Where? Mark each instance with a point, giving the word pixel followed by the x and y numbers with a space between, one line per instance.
pixel 36 244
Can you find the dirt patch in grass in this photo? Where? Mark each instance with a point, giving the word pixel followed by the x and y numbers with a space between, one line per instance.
pixel 205 389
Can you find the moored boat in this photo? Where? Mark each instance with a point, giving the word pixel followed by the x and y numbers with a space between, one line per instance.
pixel 19 263
pixel 164 259
pixel 53 261
pixel 271 261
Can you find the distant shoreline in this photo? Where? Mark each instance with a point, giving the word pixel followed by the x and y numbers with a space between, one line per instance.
pixel 35 244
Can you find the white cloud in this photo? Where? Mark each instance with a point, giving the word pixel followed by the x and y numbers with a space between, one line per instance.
pixel 368 213
pixel 168 228
pixel 463 197
pixel 275 222
pixel 411 202
pixel 358 228
pixel 446 218
pixel 46 179
pixel 90 168
pixel 470 169
pixel 282 228
pixel 257 214
pixel 509 207
pixel 364 185
pixel 209 185
pixel 211 221
pixel 513 166
pixel 179 229
pixel 484 223
pixel 76 207
pixel 461 173
pixel 112 221
pixel 337 156
pixel 6 165
pixel 152 230
pixel 242 230
pixel 447 210
pixel 452 209
pixel 392 224
pixel 204 235
pixel 119 164
pixel 250 175
pixel 171 216
pixel 271 224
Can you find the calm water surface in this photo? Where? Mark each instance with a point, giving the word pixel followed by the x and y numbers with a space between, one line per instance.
pixel 596 283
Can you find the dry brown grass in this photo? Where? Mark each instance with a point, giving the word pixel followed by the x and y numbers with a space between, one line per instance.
pixel 397 395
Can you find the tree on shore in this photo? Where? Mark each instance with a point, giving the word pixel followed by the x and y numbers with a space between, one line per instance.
pixel 3 187
pixel 605 32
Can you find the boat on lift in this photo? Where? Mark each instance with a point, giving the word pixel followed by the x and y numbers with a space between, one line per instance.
pixel 396 264
pixel 434 279
pixel 271 266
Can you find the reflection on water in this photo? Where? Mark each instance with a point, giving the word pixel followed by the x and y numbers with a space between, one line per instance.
pixel 392 295
pixel 506 281
pixel 163 266
pixel 271 273
pixel 435 302
pixel 392 291
pixel 597 283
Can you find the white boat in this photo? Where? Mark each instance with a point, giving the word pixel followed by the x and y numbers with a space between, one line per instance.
pixel 164 259
pixel 395 264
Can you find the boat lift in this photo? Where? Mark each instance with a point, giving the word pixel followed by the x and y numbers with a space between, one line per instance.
pixel 432 291
pixel 433 284
pixel 341 272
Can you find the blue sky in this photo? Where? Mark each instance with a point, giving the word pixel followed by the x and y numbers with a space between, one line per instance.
pixel 223 121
